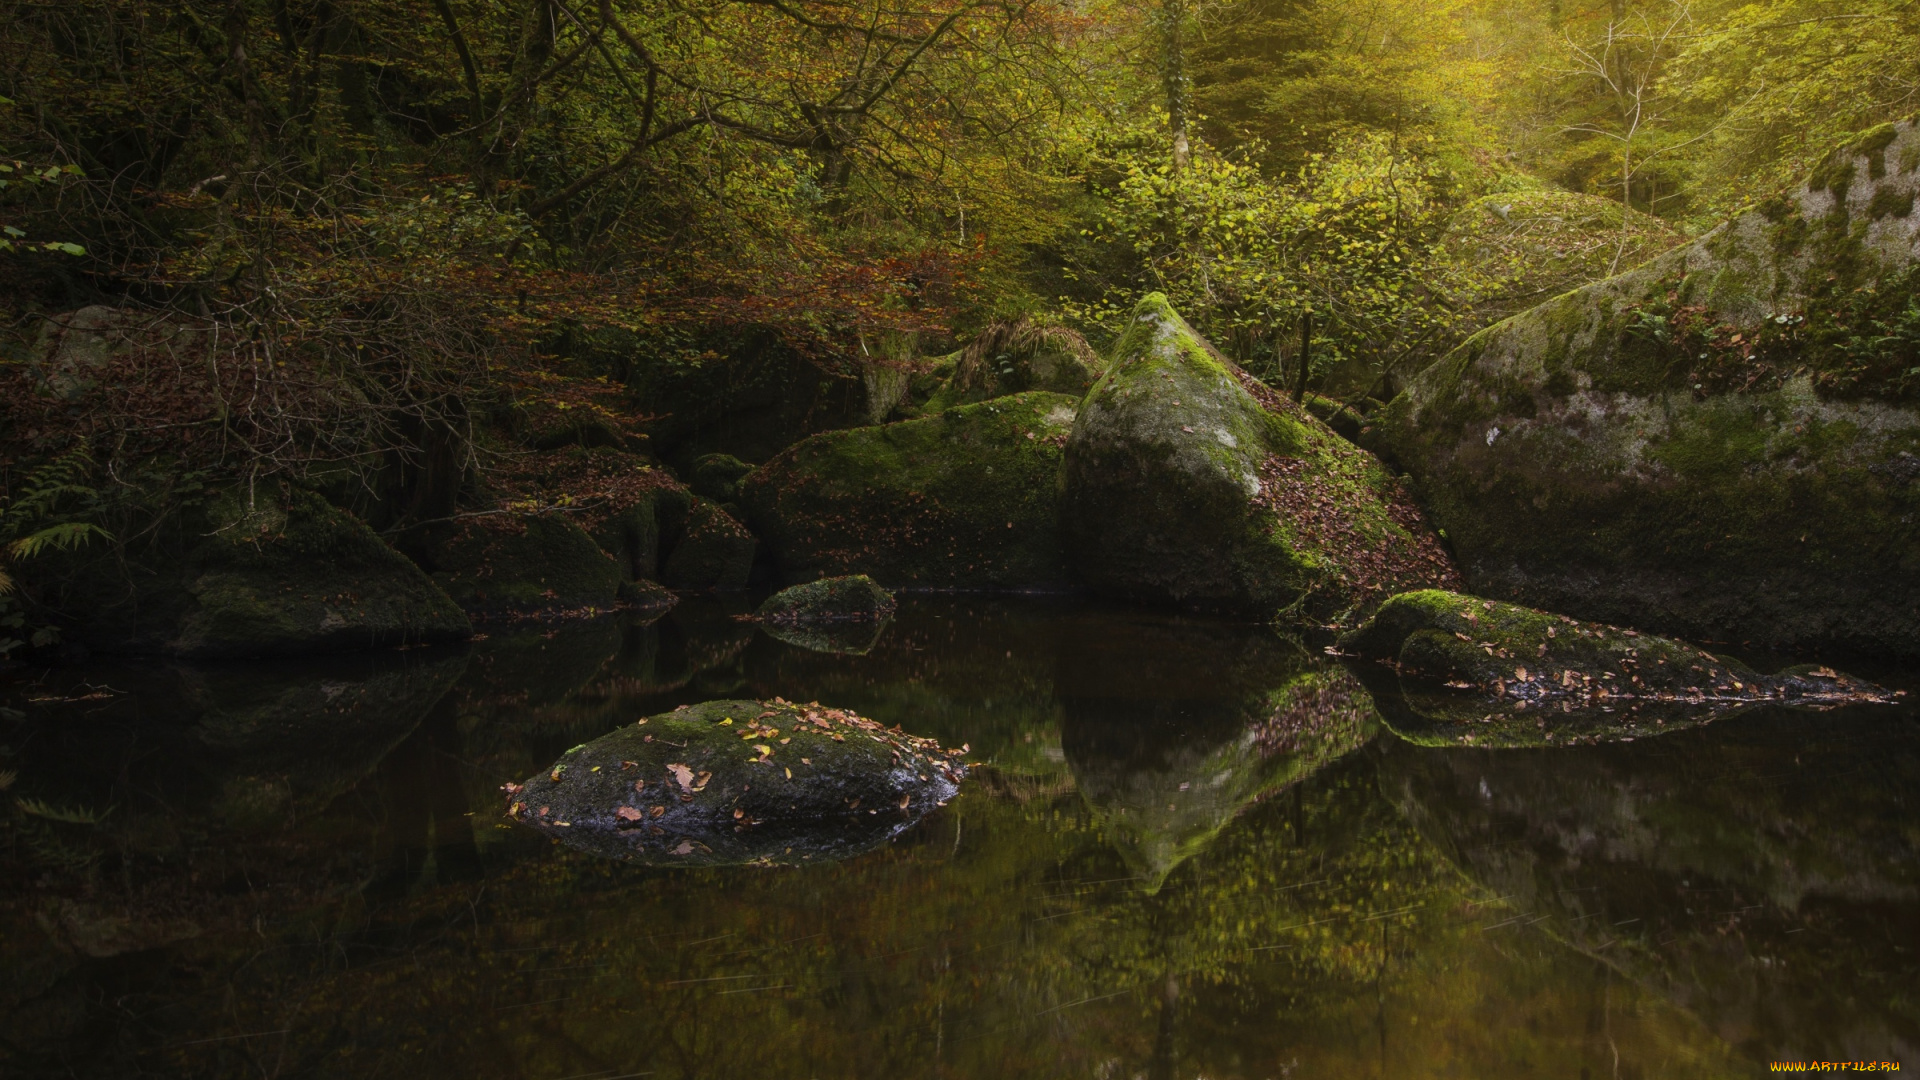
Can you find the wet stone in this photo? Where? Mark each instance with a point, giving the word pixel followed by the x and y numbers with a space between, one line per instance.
pixel 731 782
pixel 1482 672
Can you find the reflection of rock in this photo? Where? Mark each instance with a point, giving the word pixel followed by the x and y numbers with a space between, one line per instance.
pixel 1481 672
pixel 846 637
pixel 1764 875
pixel 739 781
pixel 1167 748
pixel 297 735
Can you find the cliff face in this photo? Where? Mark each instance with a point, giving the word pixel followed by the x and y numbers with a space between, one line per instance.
pixel 1721 443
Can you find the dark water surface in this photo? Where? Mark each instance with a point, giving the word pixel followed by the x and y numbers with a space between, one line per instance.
pixel 1197 850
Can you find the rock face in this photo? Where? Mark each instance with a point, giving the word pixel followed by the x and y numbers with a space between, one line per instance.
pixel 1516 676
pixel 289 576
pixel 730 782
pixel 965 498
pixel 1187 481
pixel 1722 443
pixel 829 600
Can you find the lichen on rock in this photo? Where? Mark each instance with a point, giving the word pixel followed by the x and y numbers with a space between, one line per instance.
pixel 1188 481
pixel 730 782
pixel 966 498
pixel 1721 444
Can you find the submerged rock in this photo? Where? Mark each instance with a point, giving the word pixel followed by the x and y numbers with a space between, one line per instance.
pixel 1721 443
pixel 965 498
pixel 729 782
pixel 1524 677
pixel 840 599
pixel 1188 481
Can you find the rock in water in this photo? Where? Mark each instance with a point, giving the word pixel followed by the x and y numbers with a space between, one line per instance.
pixel 730 782
pixel 1518 676
pixel 857 597
pixel 514 563
pixel 1188 481
pixel 966 498
pixel 1722 443
pixel 716 551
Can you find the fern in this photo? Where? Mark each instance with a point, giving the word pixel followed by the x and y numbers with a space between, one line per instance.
pixel 65 536
pixel 79 815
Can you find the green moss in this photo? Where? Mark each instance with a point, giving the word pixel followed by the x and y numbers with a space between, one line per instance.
pixel 965 498
pixel 1887 202
pixel 728 782
pixel 856 597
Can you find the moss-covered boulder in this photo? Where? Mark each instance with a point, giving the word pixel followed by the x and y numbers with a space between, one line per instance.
pixel 717 476
pixel 715 551
pixel 1721 444
pixel 730 782
pixel 1483 672
pixel 290 575
pixel 962 499
pixel 839 599
pixel 526 563
pixel 1188 481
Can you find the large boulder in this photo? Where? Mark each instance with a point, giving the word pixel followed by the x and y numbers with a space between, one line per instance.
pixel 1722 443
pixel 857 597
pixel 729 782
pixel 288 575
pixel 1188 481
pixel 965 498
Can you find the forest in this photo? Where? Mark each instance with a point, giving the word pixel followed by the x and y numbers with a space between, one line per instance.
pixel 396 252
pixel 582 539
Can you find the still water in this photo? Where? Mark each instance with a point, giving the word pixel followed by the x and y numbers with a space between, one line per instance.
pixel 1196 849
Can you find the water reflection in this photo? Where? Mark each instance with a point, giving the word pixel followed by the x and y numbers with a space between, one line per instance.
pixel 1195 852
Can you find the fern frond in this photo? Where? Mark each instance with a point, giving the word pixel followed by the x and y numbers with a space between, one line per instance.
pixel 79 815
pixel 65 536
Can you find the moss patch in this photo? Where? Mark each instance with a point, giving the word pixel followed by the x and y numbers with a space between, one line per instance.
pixel 962 499
pixel 828 600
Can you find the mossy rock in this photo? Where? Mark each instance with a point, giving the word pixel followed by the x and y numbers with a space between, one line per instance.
pixel 962 499
pixel 645 594
pixel 517 564
pixel 1482 672
pixel 715 551
pixel 1722 444
pixel 1012 358
pixel 717 476
pixel 293 575
pixel 1187 481
pixel 838 599
pixel 730 782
